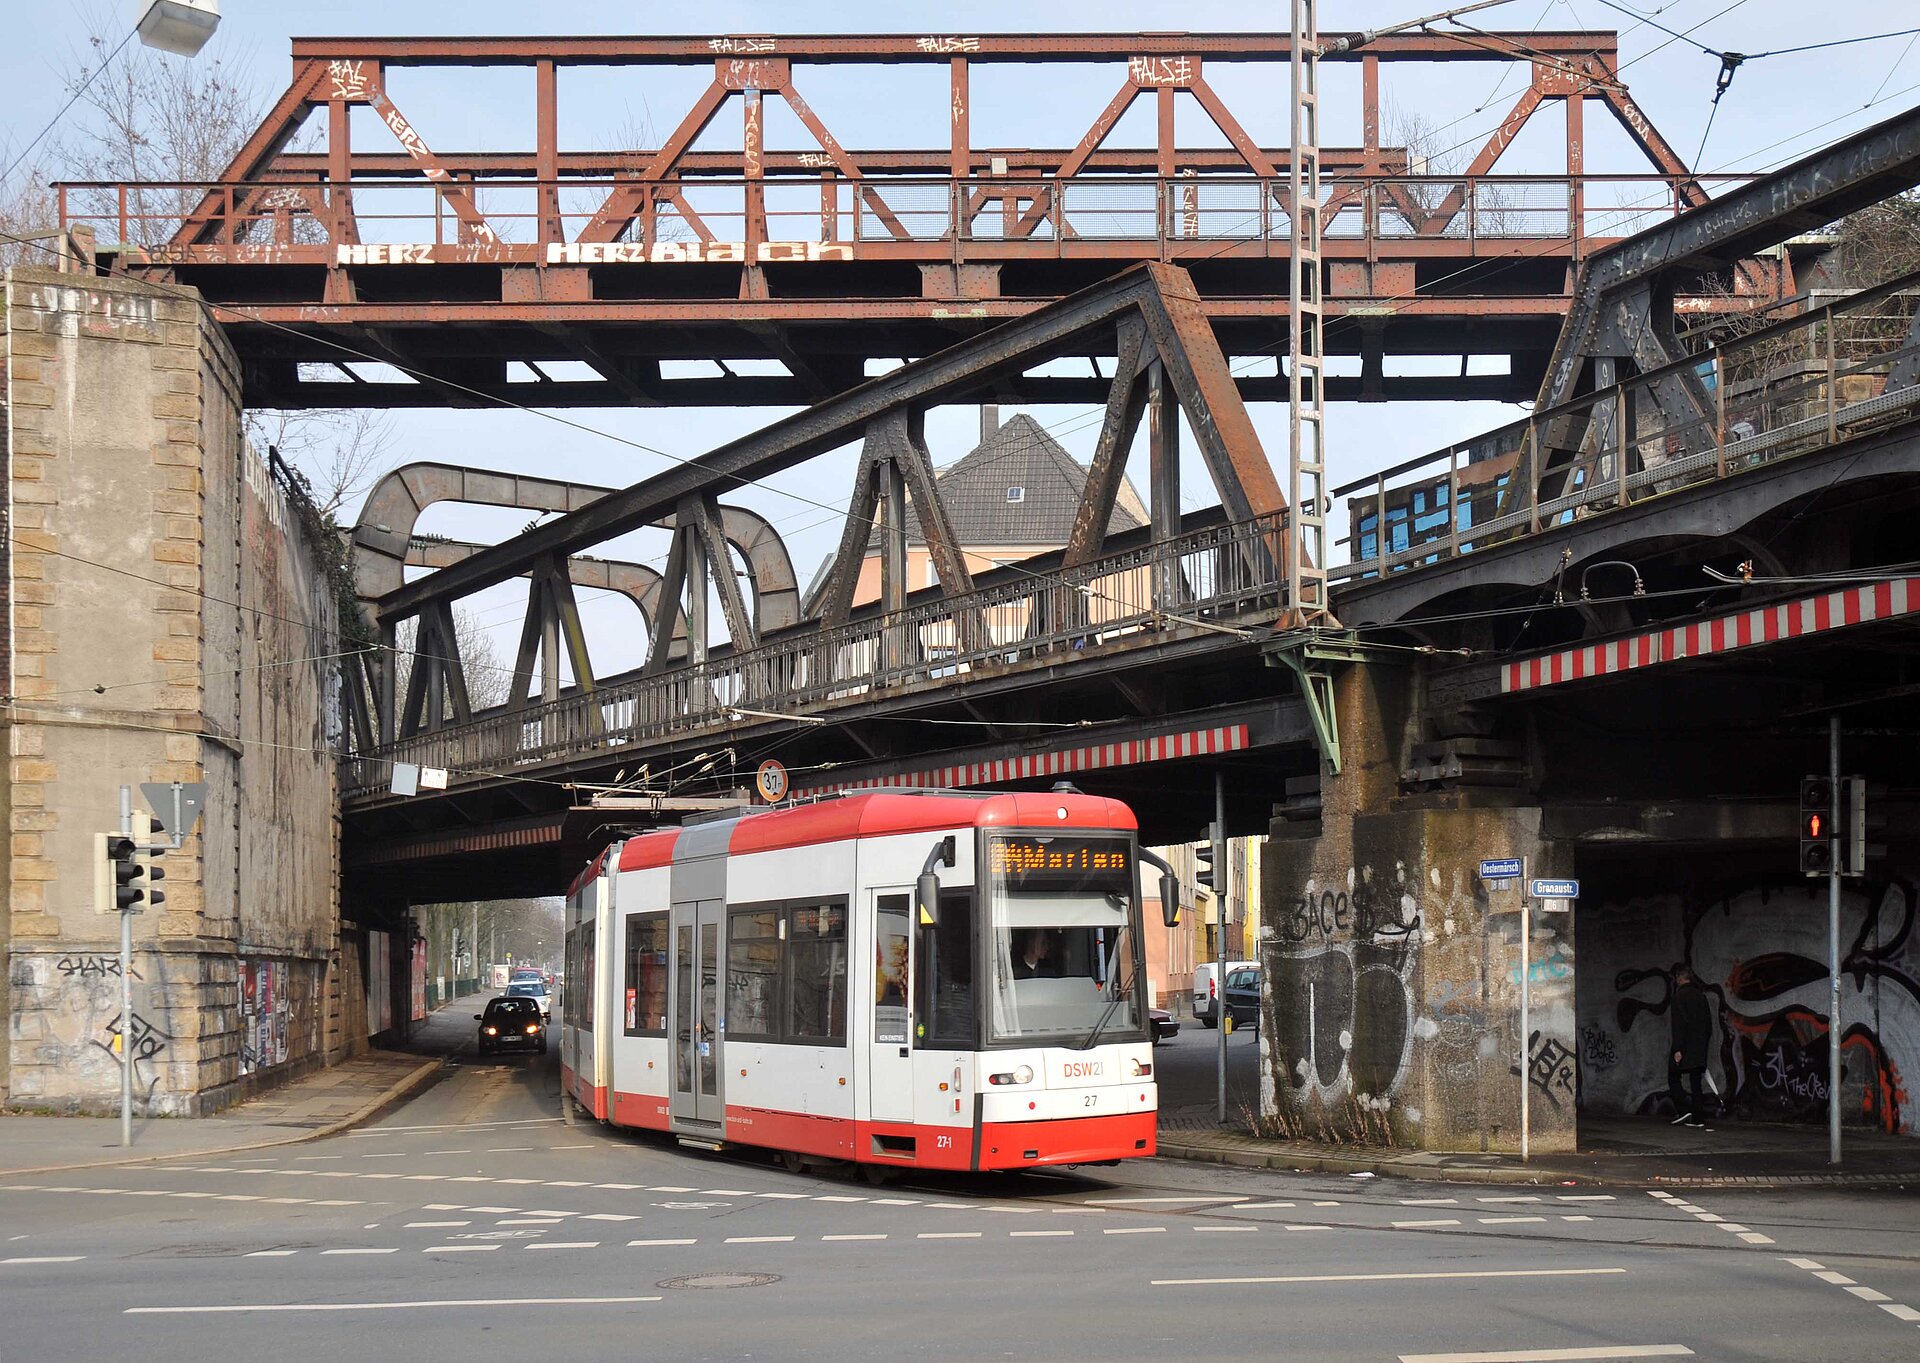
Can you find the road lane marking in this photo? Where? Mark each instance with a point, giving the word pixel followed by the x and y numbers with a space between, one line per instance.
pixel 566 1244
pixel 457 1249
pixel 433 1225
pixel 631 1186
pixel 1754 1237
pixel 45 1259
pixel 1429 1201
pixel 1557 1355
pixel 510 1150
pixel 1251 1230
pixel 394 1250
pixel 896 1201
pixel 1807 1264
pixel 1394 1277
pixel 643 1244
pixel 1586 1197
pixel 390 1154
pixel 949 1235
pixel 759 1240
pixel 1043 1234
pixel 607 1216
pixel 272 1254
pixel 785 1197
pixel 1439 1221
pixel 517 1123
pixel 381 1305
pixel 568 1183
pixel 447 1152
pixel 1528 1198
pixel 1868 1294
pixel 1260 1206
pixel 1508 1220
pixel 1134 1230
pixel 1312 1227
pixel 1576 1218
pixel 1145 1201
pixel 1827 1275
pixel 1899 1312
pixel 532 1221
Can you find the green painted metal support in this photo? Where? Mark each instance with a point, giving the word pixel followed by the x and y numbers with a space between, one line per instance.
pixel 1308 654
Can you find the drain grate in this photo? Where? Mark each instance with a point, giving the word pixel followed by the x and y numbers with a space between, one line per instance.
pixel 721 1280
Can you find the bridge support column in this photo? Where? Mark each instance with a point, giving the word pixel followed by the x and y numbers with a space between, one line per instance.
pixel 1393 975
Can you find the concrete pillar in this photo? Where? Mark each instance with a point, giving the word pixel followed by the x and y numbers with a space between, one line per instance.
pixel 1393 979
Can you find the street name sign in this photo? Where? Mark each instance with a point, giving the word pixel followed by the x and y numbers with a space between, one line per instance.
pixel 1554 889
pixel 1506 868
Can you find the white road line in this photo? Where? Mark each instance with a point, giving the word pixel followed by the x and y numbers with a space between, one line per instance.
pixel 1260 1206
pixel 587 1146
pixel 1754 1237
pixel 1045 1234
pixel 1144 1201
pixel 446 1152
pixel 1528 1198
pixel 1611 1351
pixel 1441 1221
pixel 1429 1201
pixel 744 1192
pixel 642 1244
pixel 45 1259
pixel 433 1225
pixel 319 1157
pixel 1827 1275
pixel 1250 1230
pixel 662 1188
pixel 1586 1197
pixel 532 1221
pixel 896 1201
pixel 785 1197
pixel 494 1211
pixel 394 1250
pixel 567 1244
pixel 272 1254
pixel 862 1237
pixel 1326 1204
pixel 381 1305
pixel 1732 1228
pixel 568 1183
pixel 1316 1227
pixel 631 1186
pixel 949 1235
pixel 1807 1264
pixel 449 1126
pixel 607 1216
pixel 225 1197
pixel 1395 1277
pixel 390 1154
pixel 1899 1312
pixel 1576 1218
pixel 1508 1220
pixel 759 1240
pixel 443 1207
pixel 337 1202
pixel 1134 1230
pixel 457 1249
pixel 820 1198
pixel 1868 1294
pixel 516 1180
pixel 510 1150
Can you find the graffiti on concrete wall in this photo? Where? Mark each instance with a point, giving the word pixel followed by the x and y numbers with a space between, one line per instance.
pixel 1759 952
pixel 1345 955
pixel 69 1027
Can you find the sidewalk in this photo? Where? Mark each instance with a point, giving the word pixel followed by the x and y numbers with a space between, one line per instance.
pixel 318 1104
pixel 1629 1151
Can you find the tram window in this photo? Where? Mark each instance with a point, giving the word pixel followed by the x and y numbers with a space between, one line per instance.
pixel 946 994
pixel 586 973
pixel 817 972
pixel 646 990
pixel 753 974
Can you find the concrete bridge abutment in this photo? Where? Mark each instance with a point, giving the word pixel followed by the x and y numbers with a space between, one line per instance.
pixel 1393 972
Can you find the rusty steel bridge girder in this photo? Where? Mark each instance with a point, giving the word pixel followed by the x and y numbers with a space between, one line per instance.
pixel 1170 363
pixel 681 254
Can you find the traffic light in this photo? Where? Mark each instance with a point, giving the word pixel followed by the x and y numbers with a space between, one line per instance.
pixel 113 868
pixel 1818 836
pixel 146 850
pixel 1203 855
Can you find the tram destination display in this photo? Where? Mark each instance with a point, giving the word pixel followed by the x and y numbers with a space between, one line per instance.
pixel 1055 862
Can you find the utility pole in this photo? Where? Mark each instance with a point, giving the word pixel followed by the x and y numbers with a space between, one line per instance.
pixel 1833 948
pixel 126 988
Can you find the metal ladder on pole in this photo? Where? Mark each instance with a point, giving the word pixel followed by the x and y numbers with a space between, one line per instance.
pixel 1306 550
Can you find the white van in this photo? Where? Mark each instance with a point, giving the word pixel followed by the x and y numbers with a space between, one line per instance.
pixel 1206 988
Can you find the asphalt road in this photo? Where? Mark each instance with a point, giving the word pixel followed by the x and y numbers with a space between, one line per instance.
pixel 479 1221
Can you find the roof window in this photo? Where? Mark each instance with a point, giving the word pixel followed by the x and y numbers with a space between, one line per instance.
pixel 1016 493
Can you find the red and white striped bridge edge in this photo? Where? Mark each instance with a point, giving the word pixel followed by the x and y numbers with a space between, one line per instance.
pixel 1166 748
pixel 1749 629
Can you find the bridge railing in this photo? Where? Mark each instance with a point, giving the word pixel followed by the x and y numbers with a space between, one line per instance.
pixel 287 214
pixel 1203 580
pixel 1783 389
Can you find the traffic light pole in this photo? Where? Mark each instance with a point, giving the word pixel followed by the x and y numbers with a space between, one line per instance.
pixel 1833 953
pixel 1221 879
pixel 126 989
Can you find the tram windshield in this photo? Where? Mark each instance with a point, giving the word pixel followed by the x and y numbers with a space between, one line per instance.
pixel 1062 938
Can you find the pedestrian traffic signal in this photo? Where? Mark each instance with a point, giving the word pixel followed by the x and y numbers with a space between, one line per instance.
pixel 1203 855
pixel 1818 836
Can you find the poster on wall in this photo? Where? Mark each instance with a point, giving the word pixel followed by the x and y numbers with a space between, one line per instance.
pixel 418 1000
pixel 265 1005
pixel 379 987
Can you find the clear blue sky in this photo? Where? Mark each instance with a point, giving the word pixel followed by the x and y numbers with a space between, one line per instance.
pixel 1778 107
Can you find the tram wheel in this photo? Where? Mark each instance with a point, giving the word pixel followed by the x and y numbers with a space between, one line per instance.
pixel 876 1174
pixel 793 1163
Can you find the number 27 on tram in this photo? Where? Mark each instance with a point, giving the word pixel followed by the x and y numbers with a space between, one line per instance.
pixel 931 979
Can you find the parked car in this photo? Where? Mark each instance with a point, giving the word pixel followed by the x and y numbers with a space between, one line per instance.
pixel 535 990
pixel 512 1024
pixel 1243 996
pixel 1206 988
pixel 1164 1025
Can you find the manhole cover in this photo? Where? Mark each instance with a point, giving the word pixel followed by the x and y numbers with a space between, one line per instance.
pixel 722 1280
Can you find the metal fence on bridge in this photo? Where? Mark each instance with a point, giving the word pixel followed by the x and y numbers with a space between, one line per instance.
pixel 1223 577
pixel 1784 389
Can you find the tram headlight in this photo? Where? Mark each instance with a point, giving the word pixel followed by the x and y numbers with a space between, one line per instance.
pixel 1022 1075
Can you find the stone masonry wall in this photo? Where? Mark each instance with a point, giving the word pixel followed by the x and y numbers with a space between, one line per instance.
pixel 167 622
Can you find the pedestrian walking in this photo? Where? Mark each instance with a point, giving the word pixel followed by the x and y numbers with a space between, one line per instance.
pixel 1692 1042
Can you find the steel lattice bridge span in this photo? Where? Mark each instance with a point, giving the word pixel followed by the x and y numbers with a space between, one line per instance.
pixel 753 257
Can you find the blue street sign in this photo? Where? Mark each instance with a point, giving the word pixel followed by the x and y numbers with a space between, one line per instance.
pixel 1554 889
pixel 1507 868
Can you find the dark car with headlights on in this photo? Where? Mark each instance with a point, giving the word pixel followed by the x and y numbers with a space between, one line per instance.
pixel 512 1024
pixel 1242 996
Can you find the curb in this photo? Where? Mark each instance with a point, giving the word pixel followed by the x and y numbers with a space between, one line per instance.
pixel 1387 1167
pixel 421 1077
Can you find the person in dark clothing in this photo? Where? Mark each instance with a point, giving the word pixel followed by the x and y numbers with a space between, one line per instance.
pixel 1692 1022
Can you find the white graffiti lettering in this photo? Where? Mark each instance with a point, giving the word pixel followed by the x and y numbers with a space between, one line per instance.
pixel 946 44
pixel 1162 70
pixel 349 80
pixel 694 252
pixel 740 45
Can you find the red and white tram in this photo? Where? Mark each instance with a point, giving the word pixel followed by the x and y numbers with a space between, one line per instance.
pixel 924 979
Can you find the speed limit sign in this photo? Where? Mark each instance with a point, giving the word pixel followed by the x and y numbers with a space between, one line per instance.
pixel 771 782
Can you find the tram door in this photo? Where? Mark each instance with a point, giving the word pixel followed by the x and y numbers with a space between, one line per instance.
pixel 697 943
pixel 890 1051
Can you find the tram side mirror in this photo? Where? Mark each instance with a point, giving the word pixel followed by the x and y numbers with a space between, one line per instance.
pixel 926 889
pixel 1170 898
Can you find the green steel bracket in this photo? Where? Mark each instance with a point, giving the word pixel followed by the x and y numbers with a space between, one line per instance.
pixel 1308 654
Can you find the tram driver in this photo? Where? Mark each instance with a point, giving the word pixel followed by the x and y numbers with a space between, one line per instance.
pixel 1038 957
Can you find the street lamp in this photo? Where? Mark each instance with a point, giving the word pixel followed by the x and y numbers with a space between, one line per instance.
pixel 181 27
